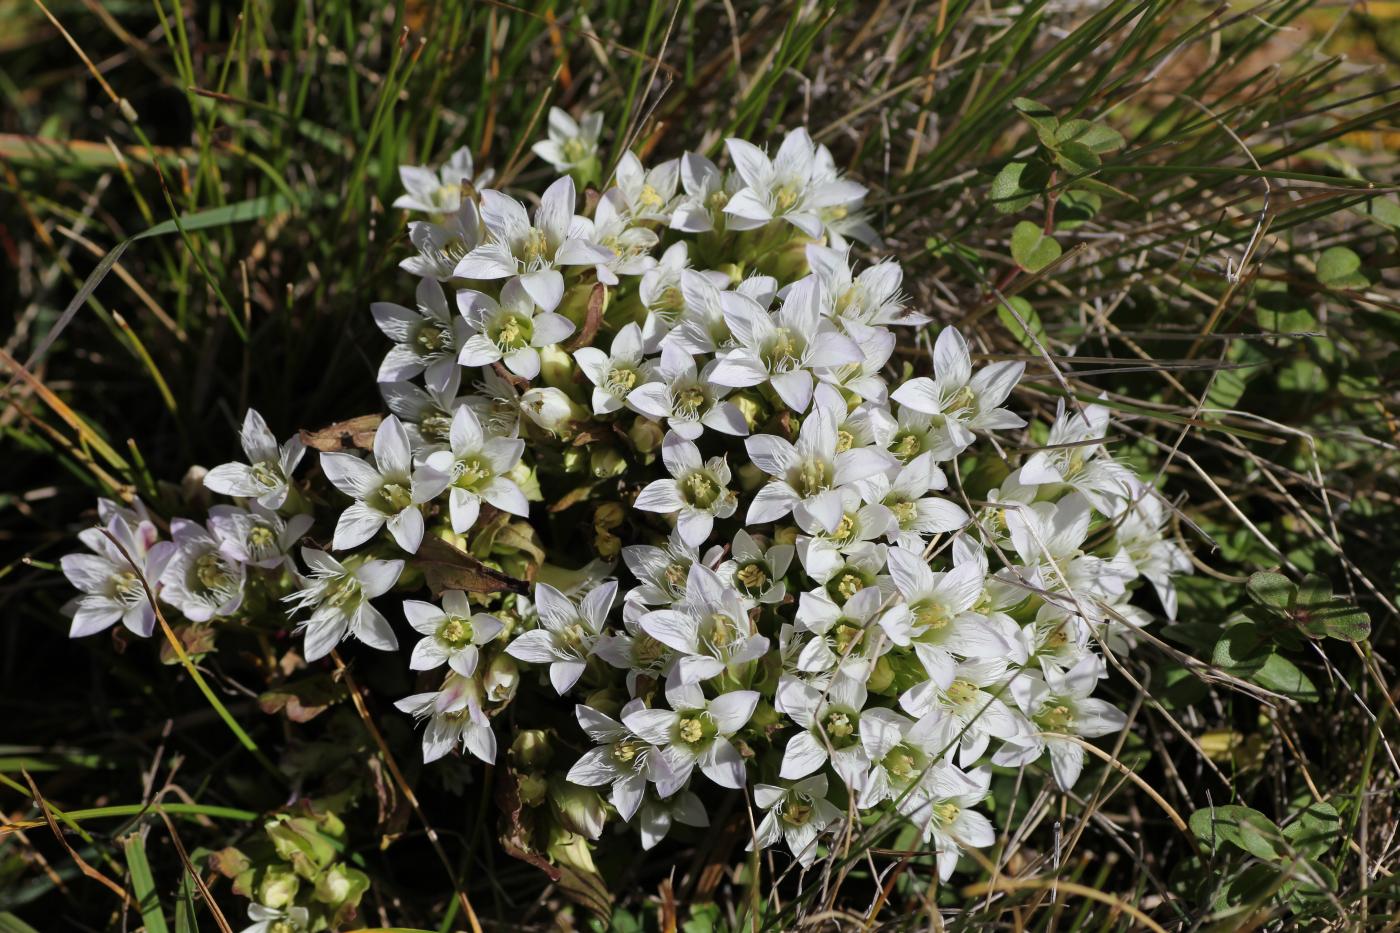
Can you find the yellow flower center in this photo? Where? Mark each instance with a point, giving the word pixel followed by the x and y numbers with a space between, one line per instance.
pixel 456 631
pixel 700 490
pixel 752 578
pixel 961 692
pixel 691 730
pixel 535 249
pixel 796 813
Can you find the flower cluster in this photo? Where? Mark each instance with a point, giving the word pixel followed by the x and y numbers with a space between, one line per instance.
pixel 792 587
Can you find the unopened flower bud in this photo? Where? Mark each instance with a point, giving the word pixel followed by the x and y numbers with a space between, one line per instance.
pixel 786 534
pixel 531 788
pixel 606 462
pixel 881 677
pixel 580 809
pixel 444 532
pixel 341 885
pixel 501 678
pixel 549 408
pixel 752 406
pixel 575 459
pixel 278 887
pixel 604 701
pixel 531 749
pixel 192 488
pixel 557 369
pixel 646 435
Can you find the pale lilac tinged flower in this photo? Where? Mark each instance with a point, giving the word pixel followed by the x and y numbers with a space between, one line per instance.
pixel 387 491
pixel 622 759
pixel 455 716
pixel 257 536
pixel 110 579
pixel 201 580
pixel 267 475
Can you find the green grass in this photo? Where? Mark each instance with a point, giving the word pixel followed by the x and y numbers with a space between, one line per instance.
pixel 203 226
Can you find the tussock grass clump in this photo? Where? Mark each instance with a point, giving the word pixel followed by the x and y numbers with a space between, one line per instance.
pixel 1175 223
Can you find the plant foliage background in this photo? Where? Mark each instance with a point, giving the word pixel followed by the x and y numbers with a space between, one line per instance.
pixel 1227 276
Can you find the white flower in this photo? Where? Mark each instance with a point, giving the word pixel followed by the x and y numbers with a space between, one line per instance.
pixel 843 574
pixel 785 187
pixel 696 731
pixel 509 330
pixel 687 400
pixel 650 193
pixel 615 374
pixel 271 920
pixel 710 629
pixel 915 515
pixel 267 475
pixel 941 625
pixel 568 632
pixel 455 717
pixel 945 798
pixel 570 144
pixel 1140 534
pixel 783 349
pixel 386 492
pixel 111 581
pixel 1049 538
pixel 476 467
pixel 697 493
pixel 870 298
pixel 256 536
pixel 658 814
pixel 863 379
pixel 707 190
pixel 661 295
pixel 846 638
pixel 338 597
pixel 426 340
pixel 807 477
pixel 797 814
pixel 200 580
pixel 972 701
pixel 963 401
pixel 622 759
pixel 426 413
pixel 830 720
pixel 701 327
pixel 901 751
pixel 452 633
pixel 860 522
pixel 632 649
pixel 441 246
pixel 1071 457
pixel 1062 703
pixel 661 571
pixel 517 246
pixel 440 192
pixel 757 572
pixel 613 229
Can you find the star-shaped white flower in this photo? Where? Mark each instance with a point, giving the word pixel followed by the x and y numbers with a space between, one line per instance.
pixel 709 629
pixel 696 731
pixel 453 633
pixel 511 330
pixel 568 632
pixel 339 599
pixel 798 814
pixel 786 187
pixel 571 143
pixel 266 476
pixel 622 759
pixel 426 340
pixel 615 374
pixel 476 467
pixel 440 192
pixel 696 494
pixel 531 248
pixel 111 581
pixel 964 401
pixel 387 491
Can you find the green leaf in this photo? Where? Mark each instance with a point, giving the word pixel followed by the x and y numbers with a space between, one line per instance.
pixel 1281 675
pixel 143 884
pixel 1018 184
pixel 1239 826
pixel 1273 590
pixel 1077 158
pixel 1094 136
pixel 1384 211
pixel 1026 338
pixel 1031 248
pixel 1339 267
pixel 9 923
pixel 1076 207
pixel 1039 116
pixel 1315 830
pixel 1338 620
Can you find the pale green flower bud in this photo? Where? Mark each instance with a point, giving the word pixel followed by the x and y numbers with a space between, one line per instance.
pixel 646 435
pixel 881 677
pixel 531 749
pixel 579 809
pixel 604 701
pixel 532 789
pixel 752 406
pixel 278 887
pixel 341 885
pixel 557 369
pixel 575 459
pixel 606 462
